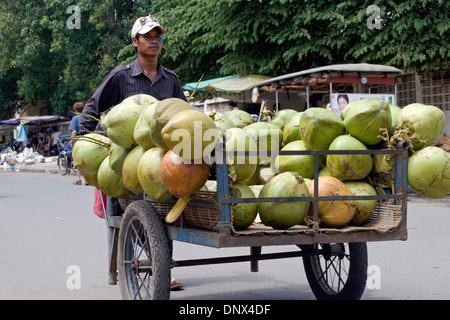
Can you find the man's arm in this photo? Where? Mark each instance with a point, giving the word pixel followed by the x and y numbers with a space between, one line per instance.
pixel 105 97
pixel 178 90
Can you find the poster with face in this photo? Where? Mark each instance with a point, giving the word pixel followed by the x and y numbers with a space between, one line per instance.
pixel 340 100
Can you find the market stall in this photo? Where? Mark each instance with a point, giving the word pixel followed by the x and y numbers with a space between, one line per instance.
pixel 356 80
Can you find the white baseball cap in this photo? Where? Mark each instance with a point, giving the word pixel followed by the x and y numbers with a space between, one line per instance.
pixel 145 24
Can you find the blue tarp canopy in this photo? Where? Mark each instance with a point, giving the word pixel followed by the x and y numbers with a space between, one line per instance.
pixel 204 85
pixel 33 120
pixel 11 122
pixel 234 83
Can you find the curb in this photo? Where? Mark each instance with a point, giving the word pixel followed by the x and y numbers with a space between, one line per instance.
pixel 38 168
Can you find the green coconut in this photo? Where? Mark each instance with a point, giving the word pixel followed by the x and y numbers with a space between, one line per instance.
pixel 190 134
pixel 91 179
pixel 110 182
pixel 243 166
pixel 222 122
pixel 142 128
pixel 120 121
pixel 165 110
pixel 291 130
pixel 149 175
pixel 365 117
pixel 348 166
pixel 425 124
pixel 283 215
pixel 265 174
pixel 282 116
pixel 88 155
pixel 240 118
pixel 324 172
pixel 210 186
pixel 256 188
pixel 268 137
pixel 303 164
pixel 130 170
pixel 429 172
pixel 243 213
pixel 254 179
pixel 364 208
pixel 395 111
pixel 383 164
pixel 117 155
pixel 319 127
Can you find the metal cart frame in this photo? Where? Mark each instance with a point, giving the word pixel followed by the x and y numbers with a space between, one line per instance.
pixel 314 241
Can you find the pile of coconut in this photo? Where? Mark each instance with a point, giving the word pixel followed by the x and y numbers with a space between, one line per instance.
pixel 168 149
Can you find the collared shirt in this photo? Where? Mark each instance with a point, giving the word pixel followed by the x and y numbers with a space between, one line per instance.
pixel 125 81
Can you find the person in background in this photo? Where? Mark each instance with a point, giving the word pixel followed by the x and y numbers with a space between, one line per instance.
pixel 99 128
pixel 145 75
pixel 232 105
pixel 74 129
pixel 54 140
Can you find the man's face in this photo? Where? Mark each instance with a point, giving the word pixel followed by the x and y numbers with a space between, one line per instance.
pixel 149 43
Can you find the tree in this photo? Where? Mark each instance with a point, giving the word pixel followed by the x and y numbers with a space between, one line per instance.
pixel 47 56
pixel 222 37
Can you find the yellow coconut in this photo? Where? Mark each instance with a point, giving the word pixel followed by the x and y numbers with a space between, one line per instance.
pixel 182 180
pixel 333 213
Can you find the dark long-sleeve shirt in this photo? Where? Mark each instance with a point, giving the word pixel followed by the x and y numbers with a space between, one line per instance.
pixel 125 81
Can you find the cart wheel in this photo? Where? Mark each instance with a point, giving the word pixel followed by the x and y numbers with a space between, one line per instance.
pixel 143 254
pixel 63 164
pixel 336 271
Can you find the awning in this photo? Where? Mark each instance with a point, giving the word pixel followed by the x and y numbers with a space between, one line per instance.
pixel 44 118
pixel 33 120
pixel 235 83
pixel 204 85
pixel 338 73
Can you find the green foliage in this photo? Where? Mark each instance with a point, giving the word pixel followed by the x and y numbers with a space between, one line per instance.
pixel 41 58
pixel 222 37
pixel 53 62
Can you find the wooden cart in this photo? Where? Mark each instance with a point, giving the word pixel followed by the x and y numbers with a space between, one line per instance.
pixel 335 259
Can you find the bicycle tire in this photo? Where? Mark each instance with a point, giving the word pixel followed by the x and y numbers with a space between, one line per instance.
pixel 346 263
pixel 143 254
pixel 63 166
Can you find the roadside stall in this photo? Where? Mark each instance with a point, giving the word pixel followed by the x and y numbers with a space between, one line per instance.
pixel 234 87
pixel 327 84
pixel 27 139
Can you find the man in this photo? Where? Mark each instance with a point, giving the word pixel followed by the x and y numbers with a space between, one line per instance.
pixel 145 75
pixel 74 129
pixel 54 140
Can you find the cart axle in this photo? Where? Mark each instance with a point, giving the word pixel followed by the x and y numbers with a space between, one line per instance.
pixel 231 259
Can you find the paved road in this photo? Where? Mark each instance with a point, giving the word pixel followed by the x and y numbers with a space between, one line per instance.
pixel 49 234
